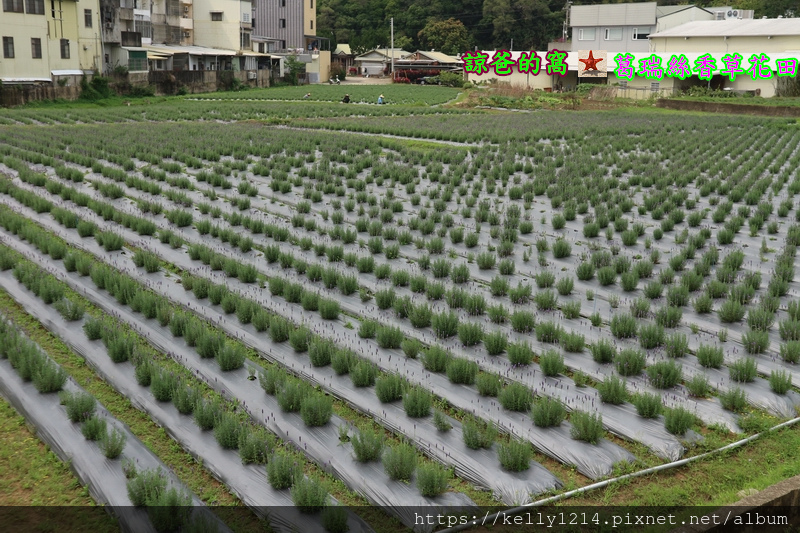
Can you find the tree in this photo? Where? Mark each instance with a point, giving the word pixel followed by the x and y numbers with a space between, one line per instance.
pixel 448 36
pixel 401 42
pixel 294 69
pixel 530 23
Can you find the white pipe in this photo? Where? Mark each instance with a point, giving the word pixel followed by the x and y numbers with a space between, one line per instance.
pixel 601 484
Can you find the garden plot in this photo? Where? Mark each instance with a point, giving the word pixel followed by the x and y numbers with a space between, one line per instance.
pixel 587 458
pixel 496 255
pixel 249 483
pixel 394 94
pixel 95 464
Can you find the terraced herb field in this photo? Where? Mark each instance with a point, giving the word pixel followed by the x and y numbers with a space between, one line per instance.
pixel 350 326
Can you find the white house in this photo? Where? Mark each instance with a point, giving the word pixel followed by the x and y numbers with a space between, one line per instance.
pixel 375 61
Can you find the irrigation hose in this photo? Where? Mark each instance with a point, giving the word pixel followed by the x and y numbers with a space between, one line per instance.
pixel 605 483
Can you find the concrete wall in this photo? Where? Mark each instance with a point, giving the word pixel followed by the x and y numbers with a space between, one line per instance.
pixel 11 96
pixel 162 82
pixel 319 70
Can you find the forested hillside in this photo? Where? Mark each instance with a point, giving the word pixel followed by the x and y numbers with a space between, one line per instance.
pixel 453 26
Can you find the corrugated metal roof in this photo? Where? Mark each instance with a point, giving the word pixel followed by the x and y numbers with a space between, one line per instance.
pixel 643 13
pixel 192 50
pixel 434 56
pixel 385 52
pixel 734 28
pixel 342 49
pixel 24 80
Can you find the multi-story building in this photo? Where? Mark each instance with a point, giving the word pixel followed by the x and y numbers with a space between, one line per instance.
pixel 26 47
pixel 286 28
pixel 624 28
pixel 223 24
pixel 45 39
pixel 282 25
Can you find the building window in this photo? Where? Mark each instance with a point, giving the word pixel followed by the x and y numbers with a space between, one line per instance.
pixel 283 3
pixel 245 40
pixel 34 7
pixel 36 48
pixel 216 16
pixel 655 86
pixel 312 24
pixel 283 45
pixel 613 34
pixel 281 23
pixel 8 47
pixel 246 17
pixel 143 26
pixel 623 84
pixel 641 34
pixel 586 34
pixel 312 4
pixel 64 48
pixel 13 6
pixel 87 18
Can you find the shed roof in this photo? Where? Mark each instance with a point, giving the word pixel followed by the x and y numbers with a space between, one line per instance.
pixel 734 28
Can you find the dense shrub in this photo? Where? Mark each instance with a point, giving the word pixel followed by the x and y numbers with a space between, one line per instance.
pixel 477 434
pixel 629 362
pixel 515 456
pixel 733 399
pixel 648 405
pixel 516 397
pixel 780 381
pixel 548 412
pixel 389 387
pixel 664 374
pixel 283 471
pixel 462 371
pixel 744 370
pixel 400 461
pixel 612 390
pixel 316 409
pixel 367 445
pixel 432 479
pixel 227 430
pixel 586 427
pixel 552 363
pixel 678 420
pixel 623 326
pixel 435 359
pixel 363 374
pixel 488 384
pixel 80 406
pixel 146 485
pixel 417 402
pixel 603 351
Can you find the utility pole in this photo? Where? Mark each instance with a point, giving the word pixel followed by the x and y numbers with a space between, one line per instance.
pixel 392 26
